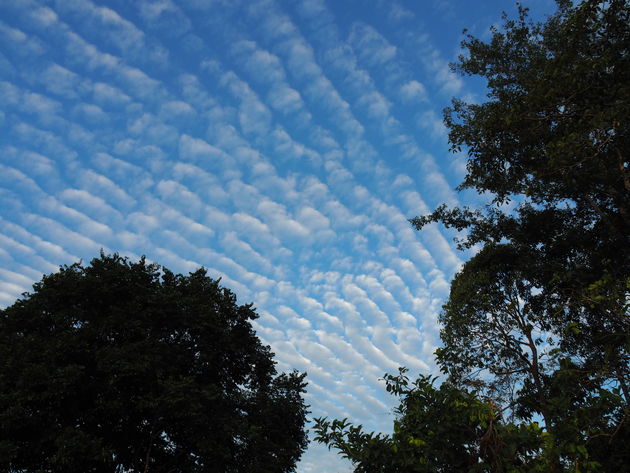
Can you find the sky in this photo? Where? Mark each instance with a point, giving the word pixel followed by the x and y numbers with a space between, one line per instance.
pixel 281 144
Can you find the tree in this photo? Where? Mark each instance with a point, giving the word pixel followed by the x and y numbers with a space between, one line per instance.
pixel 551 140
pixel 437 429
pixel 127 367
pixel 499 338
pixel 554 137
pixel 494 333
pixel 537 321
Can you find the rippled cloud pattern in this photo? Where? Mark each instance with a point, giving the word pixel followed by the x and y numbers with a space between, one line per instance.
pixel 281 144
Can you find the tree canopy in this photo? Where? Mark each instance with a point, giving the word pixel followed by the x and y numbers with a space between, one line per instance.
pixel 536 325
pixel 437 429
pixel 125 366
pixel 548 293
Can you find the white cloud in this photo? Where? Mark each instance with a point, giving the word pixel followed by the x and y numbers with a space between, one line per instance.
pixel 164 16
pixel 260 64
pixel 71 241
pixel 376 105
pixel 177 194
pixel 281 224
pixel 397 12
pixel 413 91
pixel 41 253
pixel 11 177
pixel 90 204
pixel 176 110
pixel 242 251
pixel 41 105
pixel 10 93
pixel 90 113
pixel 257 230
pixel 61 81
pixel 109 190
pixel 85 225
pixel 140 84
pixel 371 46
pixel 44 16
pixel 200 151
pixel 153 130
pixel 431 122
pixel 84 53
pixel 285 99
pixel 124 34
pixel 19 42
pixel 107 95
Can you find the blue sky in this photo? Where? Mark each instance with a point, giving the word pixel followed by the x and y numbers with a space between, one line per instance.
pixel 280 144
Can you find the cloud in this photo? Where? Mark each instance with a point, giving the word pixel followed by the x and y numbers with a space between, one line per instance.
pixel 397 12
pixel 107 95
pixel 150 128
pixel 36 165
pixel 124 34
pixel 282 145
pixel 450 83
pixel 260 64
pixel 106 24
pixel 84 53
pixel 14 178
pixel 178 195
pixel 20 43
pixel 431 122
pixel 286 100
pixel 413 91
pixel 371 46
pixel 164 16
pixel 177 110
pixel 140 84
pixel 39 252
pixel 233 245
pixel 40 105
pixel 109 190
pixel 90 113
pixel 85 225
pixel 375 105
pixel 253 116
pixel 281 224
pixel 118 170
pixel 137 82
pixel 44 16
pixel 200 151
pixel 69 240
pixel 61 81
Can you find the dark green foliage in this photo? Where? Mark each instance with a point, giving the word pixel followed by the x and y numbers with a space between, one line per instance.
pixel 537 324
pixel 500 338
pixel 554 136
pixel 539 317
pixel 438 429
pixel 121 366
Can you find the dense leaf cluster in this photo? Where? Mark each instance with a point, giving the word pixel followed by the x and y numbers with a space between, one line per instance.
pixel 437 429
pixel 121 366
pixel 536 327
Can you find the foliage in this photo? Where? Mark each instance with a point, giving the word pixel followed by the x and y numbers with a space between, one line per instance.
pixel 437 429
pixel 121 366
pixel 546 298
pixel 553 136
pixel 537 324
pixel 493 324
pixel 499 338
